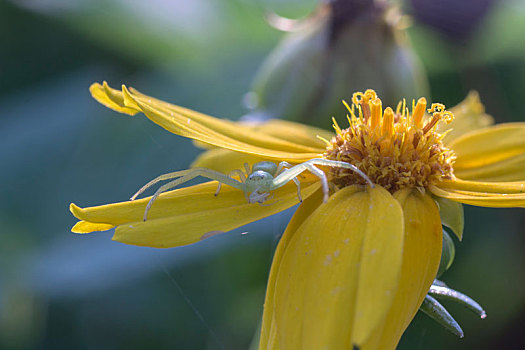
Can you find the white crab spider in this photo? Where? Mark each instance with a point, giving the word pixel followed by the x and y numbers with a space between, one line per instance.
pixel 258 181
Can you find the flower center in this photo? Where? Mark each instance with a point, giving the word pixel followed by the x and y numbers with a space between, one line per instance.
pixel 395 149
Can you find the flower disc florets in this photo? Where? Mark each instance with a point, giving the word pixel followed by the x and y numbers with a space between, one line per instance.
pixel 395 149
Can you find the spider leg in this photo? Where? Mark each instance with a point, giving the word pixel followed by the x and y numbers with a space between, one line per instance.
pixel 252 197
pixel 242 176
pixel 247 169
pixel 282 166
pixel 263 202
pixel 290 174
pixel 310 165
pixel 258 197
pixel 166 187
pixel 322 176
pixel 160 178
pixel 188 175
pixel 298 183
pixel 339 164
pixel 246 193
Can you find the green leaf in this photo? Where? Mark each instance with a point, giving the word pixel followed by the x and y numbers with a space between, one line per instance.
pixel 436 311
pixel 451 215
pixel 446 293
pixel 447 254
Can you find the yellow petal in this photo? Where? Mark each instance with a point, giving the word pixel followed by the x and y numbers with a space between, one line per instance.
pixel 268 329
pixel 421 256
pixel 511 169
pixel 481 199
pixel 111 98
pixel 334 277
pixel 286 130
pixel 224 160
pixel 491 154
pixel 201 127
pixel 187 215
pixel 381 259
pixel 484 187
pixel 88 227
pixel 299 133
pixel 469 115
pixel 486 194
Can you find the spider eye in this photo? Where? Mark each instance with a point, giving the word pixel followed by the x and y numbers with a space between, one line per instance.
pixel 267 167
pixel 260 175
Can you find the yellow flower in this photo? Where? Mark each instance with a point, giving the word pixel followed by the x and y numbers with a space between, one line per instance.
pixel 352 271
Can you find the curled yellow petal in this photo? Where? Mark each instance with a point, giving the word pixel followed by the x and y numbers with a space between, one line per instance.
pixel 334 276
pixel 288 131
pixel 204 128
pixel 111 98
pixel 186 215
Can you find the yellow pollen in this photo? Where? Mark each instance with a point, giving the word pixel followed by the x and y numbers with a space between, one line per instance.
pixel 395 150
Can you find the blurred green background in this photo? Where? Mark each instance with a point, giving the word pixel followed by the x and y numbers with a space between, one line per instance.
pixel 57 145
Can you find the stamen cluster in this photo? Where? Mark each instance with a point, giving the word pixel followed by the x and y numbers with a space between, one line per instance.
pixel 394 149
